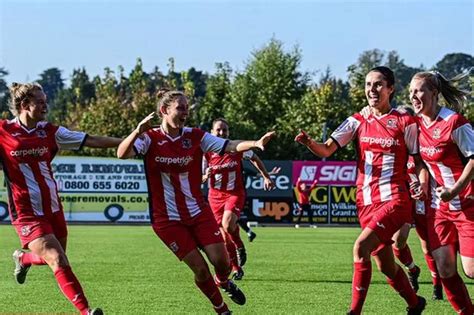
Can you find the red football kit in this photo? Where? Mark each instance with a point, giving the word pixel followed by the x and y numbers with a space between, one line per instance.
pixel 26 155
pixel 226 183
pixel 179 213
pixel 383 145
pixel 445 146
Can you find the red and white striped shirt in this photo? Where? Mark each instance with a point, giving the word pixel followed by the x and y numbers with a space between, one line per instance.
pixel 26 155
pixel 226 170
pixel 446 145
pixel 173 172
pixel 383 144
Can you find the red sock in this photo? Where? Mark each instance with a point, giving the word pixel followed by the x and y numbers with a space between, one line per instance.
pixel 360 285
pixel 230 246
pixel 235 237
pixel 431 263
pixel 401 284
pixel 28 259
pixel 405 257
pixel 71 288
pixel 457 294
pixel 210 290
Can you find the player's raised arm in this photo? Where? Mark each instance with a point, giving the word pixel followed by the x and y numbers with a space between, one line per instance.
pixel 125 149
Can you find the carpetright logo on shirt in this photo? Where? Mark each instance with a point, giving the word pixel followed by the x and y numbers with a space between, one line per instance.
pixel 383 142
pixel 430 151
pixel 40 151
pixel 230 164
pixel 181 161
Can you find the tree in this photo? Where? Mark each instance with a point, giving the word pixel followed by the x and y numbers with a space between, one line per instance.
pixel 52 84
pixel 72 101
pixel 453 64
pixel 323 107
pixel 218 87
pixel 4 94
pixel 270 81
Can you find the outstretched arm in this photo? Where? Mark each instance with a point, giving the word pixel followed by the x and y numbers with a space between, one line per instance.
pixel 322 150
pixel 245 145
pixel 102 142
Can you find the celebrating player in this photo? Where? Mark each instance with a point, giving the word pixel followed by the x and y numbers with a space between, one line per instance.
pixel 227 193
pixel 179 213
pixel 447 147
pixel 303 200
pixel 384 141
pixel 29 143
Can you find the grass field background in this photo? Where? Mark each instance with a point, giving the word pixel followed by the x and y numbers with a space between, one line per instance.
pixel 127 270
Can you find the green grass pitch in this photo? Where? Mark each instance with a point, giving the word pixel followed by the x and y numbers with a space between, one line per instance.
pixel 127 270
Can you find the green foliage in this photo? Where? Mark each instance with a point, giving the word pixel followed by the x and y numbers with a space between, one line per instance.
pixel 321 110
pixel 454 64
pixel 4 94
pixel 217 93
pixel 52 84
pixel 271 92
pixel 259 95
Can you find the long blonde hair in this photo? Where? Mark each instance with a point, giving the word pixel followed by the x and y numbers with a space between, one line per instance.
pixel 454 97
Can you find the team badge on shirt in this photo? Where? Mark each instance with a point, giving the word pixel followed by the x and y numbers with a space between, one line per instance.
pixel 25 230
pixel 41 133
pixel 174 247
pixel 187 144
pixel 392 123
pixel 436 133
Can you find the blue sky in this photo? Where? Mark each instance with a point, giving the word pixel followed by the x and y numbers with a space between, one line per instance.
pixel 36 35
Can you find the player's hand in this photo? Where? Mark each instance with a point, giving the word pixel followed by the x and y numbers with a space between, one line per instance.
pixel 268 183
pixel 365 112
pixel 302 138
pixel 445 194
pixel 276 170
pixel 260 143
pixel 416 192
pixel 145 124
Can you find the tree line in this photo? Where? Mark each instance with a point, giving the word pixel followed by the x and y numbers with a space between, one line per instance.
pixel 271 92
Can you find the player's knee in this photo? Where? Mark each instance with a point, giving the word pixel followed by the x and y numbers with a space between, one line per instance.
pixel 389 270
pixel 201 272
pixel 446 270
pixel 361 250
pixel 469 272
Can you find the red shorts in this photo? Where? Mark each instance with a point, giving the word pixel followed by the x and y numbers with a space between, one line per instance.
pixel 182 238
pixel 385 219
pixel 31 228
pixel 454 227
pixel 221 201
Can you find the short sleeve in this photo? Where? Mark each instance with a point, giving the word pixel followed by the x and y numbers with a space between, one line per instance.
pixel 248 154
pixel 142 144
pixel 68 139
pixel 346 131
pixel 411 136
pixel 463 136
pixel 210 143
